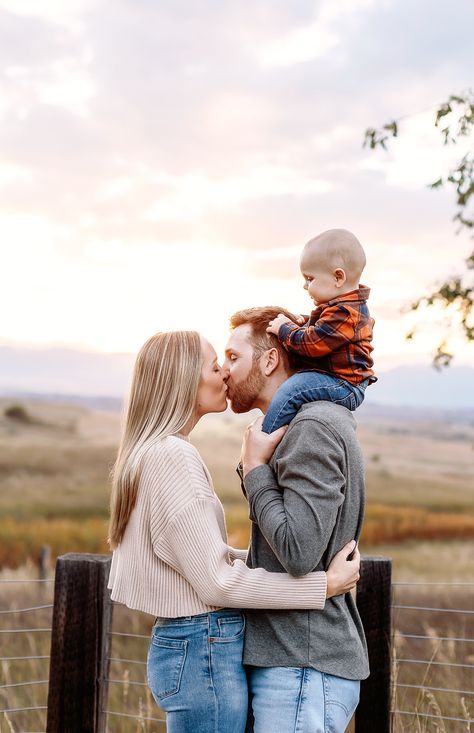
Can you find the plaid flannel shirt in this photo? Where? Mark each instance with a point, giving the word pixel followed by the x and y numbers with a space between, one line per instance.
pixel 336 339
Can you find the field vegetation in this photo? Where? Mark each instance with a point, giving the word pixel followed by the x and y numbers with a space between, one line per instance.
pixel 55 462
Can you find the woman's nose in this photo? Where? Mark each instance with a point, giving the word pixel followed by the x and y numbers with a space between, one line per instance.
pixel 225 371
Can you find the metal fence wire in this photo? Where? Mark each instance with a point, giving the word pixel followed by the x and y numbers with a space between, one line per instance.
pixel 25 632
pixel 433 657
pixel 432 648
pixel 129 699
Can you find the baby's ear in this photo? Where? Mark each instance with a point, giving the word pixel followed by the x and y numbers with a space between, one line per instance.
pixel 339 276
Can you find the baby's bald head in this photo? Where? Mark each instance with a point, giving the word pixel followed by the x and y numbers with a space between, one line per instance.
pixel 334 249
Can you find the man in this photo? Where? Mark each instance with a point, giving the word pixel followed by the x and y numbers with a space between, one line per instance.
pixel 304 667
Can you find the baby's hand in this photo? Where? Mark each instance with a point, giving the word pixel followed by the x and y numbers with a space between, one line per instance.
pixel 274 326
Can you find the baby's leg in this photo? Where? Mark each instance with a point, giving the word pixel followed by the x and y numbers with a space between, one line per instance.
pixel 309 386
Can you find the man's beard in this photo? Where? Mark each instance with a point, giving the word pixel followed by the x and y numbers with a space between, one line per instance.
pixel 246 393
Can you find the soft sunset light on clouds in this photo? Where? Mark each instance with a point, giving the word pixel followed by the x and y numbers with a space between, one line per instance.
pixel 162 163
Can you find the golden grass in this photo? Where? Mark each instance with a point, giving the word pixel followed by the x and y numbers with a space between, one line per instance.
pixel 21 539
pixel 396 524
pixel 54 472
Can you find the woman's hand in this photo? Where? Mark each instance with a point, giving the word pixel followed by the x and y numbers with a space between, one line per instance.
pixel 257 446
pixel 343 574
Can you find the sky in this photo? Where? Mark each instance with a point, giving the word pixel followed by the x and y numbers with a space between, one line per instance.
pixel 163 162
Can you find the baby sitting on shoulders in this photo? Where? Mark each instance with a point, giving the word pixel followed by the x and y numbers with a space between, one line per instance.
pixel 334 342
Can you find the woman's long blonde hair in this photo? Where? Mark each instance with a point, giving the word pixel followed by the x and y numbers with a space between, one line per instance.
pixel 162 401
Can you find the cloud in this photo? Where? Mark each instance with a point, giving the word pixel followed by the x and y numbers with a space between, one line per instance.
pixel 312 40
pixel 147 127
pixel 55 12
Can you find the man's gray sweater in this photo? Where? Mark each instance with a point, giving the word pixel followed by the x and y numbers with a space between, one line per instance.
pixel 305 506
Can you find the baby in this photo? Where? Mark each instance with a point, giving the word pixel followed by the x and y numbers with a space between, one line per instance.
pixel 334 344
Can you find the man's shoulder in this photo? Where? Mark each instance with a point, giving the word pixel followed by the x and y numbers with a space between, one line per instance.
pixel 317 428
pixel 324 415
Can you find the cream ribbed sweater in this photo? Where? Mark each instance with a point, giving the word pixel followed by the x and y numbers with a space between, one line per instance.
pixel 174 559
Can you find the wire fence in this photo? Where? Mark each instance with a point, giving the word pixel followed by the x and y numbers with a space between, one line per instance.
pixel 432 643
pixel 25 633
pixel 433 657
pixel 129 700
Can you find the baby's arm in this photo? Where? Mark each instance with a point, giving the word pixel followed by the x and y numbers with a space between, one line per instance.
pixel 281 319
pixel 332 331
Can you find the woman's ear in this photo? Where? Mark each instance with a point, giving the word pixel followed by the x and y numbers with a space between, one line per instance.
pixel 271 360
pixel 339 277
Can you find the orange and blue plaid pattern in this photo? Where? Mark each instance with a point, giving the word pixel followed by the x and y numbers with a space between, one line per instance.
pixel 336 339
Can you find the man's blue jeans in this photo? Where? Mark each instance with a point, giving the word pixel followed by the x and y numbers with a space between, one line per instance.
pixel 195 672
pixel 310 386
pixel 300 700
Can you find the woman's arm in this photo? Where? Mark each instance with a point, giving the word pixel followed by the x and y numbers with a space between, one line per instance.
pixel 187 534
pixel 342 573
pixel 193 545
pixel 236 554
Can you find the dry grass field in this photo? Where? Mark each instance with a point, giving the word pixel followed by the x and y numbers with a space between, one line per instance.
pixel 55 460
pixel 54 466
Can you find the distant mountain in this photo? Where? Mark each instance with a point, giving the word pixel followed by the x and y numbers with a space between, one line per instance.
pixel 424 386
pixel 102 378
pixel 64 371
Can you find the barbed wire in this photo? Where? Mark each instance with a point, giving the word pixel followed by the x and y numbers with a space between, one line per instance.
pixel 24 610
pixel 22 710
pixel 134 636
pixel 126 682
pixel 126 661
pixel 28 580
pixel 430 715
pixel 24 684
pixel 437 664
pixel 434 610
pixel 21 631
pixel 432 583
pixel 433 638
pixel 136 717
pixel 17 659
pixel 433 689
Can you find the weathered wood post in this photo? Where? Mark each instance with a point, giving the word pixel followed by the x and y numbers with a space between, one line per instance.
pixel 80 645
pixel 374 592
pixel 44 560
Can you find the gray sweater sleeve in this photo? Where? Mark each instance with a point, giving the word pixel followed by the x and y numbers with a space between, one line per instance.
pixel 296 505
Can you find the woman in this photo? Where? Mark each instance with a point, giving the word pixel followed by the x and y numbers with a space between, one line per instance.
pixel 171 558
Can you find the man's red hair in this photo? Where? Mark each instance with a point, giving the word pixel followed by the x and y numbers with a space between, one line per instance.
pixel 258 319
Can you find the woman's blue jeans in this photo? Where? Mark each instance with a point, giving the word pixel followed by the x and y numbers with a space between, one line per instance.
pixel 195 672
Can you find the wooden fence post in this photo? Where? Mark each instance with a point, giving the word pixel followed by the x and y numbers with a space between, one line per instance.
pixel 80 645
pixel 374 594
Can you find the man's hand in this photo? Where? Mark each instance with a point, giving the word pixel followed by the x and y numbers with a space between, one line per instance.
pixel 343 574
pixel 257 446
pixel 274 326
